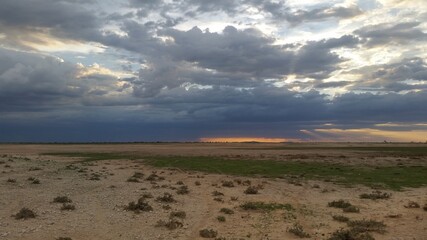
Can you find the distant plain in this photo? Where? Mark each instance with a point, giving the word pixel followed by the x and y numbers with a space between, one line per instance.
pixel 293 185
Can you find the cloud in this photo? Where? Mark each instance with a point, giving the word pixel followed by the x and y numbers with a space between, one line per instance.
pixel 244 58
pixel 391 33
pixel 320 14
pixel 69 19
pixel 407 74
pixel 275 11
pixel 30 82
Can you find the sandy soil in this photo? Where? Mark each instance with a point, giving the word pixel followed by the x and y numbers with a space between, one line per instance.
pixel 99 204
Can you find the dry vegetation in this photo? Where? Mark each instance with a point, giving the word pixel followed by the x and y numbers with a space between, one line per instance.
pixel 213 191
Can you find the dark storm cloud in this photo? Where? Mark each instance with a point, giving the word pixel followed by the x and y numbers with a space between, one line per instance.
pixel 31 81
pixel 196 82
pixel 389 33
pixel 139 38
pixel 246 57
pixel 390 107
pixel 66 18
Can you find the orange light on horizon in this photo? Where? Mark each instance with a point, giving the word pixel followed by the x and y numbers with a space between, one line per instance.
pixel 247 139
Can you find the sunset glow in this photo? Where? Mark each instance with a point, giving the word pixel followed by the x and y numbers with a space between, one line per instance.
pixel 246 139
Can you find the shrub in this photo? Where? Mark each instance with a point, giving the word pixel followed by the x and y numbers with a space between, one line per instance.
pixel 367 226
pixel 227 184
pixel 35 181
pixel 375 195
pixel 182 190
pixel 68 207
pixel 147 195
pixel 226 211
pixel 197 183
pixel 178 214
pixel 298 231
pixel 34 169
pixel 208 233
pixel 166 198
pixel 217 193
pixel 412 204
pixel 340 218
pixel 350 234
pixel 221 219
pixel 140 205
pixel 132 179
pixel 171 224
pixel 95 177
pixel 351 209
pixel 64 238
pixel 265 206
pixel 25 213
pixel 11 180
pixel 246 182
pixel 425 207
pixel 138 175
pixel 346 206
pixel 339 204
pixel 251 190
pixel 62 199
pixel 180 183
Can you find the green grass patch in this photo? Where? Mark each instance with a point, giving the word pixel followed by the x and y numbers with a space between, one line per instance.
pixel 390 150
pixel 391 177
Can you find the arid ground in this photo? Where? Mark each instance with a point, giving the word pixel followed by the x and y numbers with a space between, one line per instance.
pixel 212 190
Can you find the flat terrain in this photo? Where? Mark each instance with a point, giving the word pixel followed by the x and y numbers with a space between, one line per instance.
pixel 237 190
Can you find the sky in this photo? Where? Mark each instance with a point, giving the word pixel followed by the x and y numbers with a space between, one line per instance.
pixel 202 70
